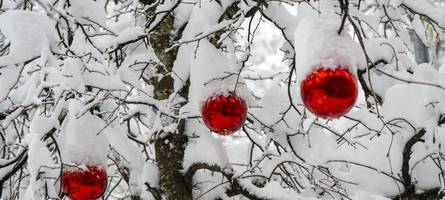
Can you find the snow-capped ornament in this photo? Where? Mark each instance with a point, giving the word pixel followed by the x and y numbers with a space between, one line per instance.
pixel 224 113
pixel 329 93
pixel 89 184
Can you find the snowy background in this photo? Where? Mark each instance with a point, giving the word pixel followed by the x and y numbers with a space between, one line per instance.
pixel 77 87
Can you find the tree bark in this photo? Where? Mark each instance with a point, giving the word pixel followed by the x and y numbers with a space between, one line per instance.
pixel 170 154
pixel 169 147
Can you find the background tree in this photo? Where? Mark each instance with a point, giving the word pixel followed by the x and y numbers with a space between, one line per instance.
pixel 120 84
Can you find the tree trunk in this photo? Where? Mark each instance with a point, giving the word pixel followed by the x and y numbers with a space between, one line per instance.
pixel 169 147
pixel 170 154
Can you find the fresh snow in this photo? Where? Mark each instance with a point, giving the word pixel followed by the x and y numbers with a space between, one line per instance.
pixel 77 88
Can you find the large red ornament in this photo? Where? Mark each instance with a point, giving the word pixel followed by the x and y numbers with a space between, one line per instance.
pixel 87 184
pixel 329 93
pixel 224 114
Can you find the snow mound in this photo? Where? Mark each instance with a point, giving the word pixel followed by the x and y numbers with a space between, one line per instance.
pixel 29 33
pixel 318 44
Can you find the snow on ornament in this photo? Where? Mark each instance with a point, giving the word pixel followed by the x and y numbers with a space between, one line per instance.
pixel 84 148
pixel 88 184
pixel 325 63
pixel 329 93
pixel 224 113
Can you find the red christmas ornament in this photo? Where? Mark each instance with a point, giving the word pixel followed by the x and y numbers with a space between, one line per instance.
pixel 329 93
pixel 87 184
pixel 224 114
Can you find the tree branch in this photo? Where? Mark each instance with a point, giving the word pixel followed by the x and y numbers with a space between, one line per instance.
pixel 407 151
pixel 235 187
